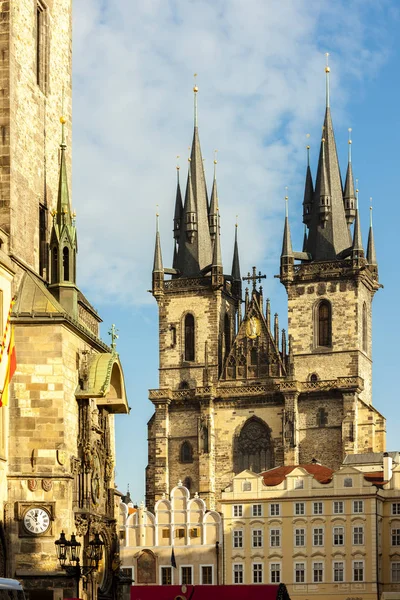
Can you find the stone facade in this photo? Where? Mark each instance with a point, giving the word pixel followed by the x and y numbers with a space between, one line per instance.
pixel 235 391
pixel 57 441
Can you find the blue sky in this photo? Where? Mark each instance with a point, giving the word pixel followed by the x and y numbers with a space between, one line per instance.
pixel 260 68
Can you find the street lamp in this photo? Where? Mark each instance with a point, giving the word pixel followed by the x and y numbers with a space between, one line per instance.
pixel 68 554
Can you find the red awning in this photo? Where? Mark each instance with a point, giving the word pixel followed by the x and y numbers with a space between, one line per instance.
pixel 204 592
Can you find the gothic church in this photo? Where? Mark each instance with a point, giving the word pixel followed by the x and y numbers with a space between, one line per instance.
pixel 234 391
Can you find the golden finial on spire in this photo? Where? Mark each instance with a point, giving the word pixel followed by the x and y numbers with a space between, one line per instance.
pixel 177 163
pixel 157 217
pixel 237 224
pixel 286 202
pixel 63 120
pixel 189 159
pixel 327 71
pixel 350 142
pixel 370 212
pixel 195 89
pixel 215 163
pixel 308 149
pixel 357 190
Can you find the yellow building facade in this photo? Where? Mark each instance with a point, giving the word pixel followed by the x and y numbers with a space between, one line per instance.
pixel 321 532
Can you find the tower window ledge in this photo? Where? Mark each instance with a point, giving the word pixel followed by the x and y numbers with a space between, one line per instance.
pixel 322 349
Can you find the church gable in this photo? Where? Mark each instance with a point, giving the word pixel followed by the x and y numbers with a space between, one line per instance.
pixel 254 353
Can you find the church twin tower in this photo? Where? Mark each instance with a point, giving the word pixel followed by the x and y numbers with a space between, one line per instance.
pixel 234 393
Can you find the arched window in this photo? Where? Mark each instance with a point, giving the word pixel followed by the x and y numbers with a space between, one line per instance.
pixel 254 449
pixel 189 337
pixel 187 482
pixel 364 328
pixel 54 265
pixel 324 323
pixel 227 334
pixel 186 454
pixel 66 264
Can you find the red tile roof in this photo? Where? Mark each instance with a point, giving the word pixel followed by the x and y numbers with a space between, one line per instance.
pixel 277 475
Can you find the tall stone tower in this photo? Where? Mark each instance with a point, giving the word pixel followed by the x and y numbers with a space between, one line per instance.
pixel 235 391
pixel 57 451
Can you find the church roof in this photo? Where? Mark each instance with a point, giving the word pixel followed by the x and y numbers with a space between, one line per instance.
pixel 277 475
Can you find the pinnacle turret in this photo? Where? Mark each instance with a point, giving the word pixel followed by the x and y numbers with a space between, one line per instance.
pixel 349 196
pixel 308 192
pixel 213 214
pixel 178 208
pixel 287 250
pixel 357 250
pixel 371 253
pixel 157 263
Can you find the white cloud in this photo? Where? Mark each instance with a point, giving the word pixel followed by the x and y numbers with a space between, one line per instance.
pixel 261 83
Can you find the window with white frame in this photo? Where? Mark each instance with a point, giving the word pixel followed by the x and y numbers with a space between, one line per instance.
pixel 338 571
pixel 256 510
pixel 358 570
pixel 358 506
pixel 237 510
pixel 257 572
pixel 275 537
pixel 257 538
pixel 395 537
pixel 186 575
pixel 299 572
pixel 299 483
pixel 275 572
pixel 206 572
pixel 238 538
pixel 318 572
pixel 274 510
pixel 338 507
pixel 300 537
pixel 166 575
pixel 395 508
pixel 358 535
pixel 348 482
pixel 318 508
pixel 246 486
pixel 318 536
pixel 299 508
pixel 395 572
pixel 238 573
pixel 338 536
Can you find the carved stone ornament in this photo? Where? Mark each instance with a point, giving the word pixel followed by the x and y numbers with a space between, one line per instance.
pixel 61 457
pixel 109 468
pixel 81 525
pixel 88 457
pixel 32 485
pixel 47 484
pixel 75 465
pixel 96 525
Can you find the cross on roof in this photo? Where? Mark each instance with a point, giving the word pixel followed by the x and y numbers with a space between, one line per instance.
pixel 114 336
pixel 254 277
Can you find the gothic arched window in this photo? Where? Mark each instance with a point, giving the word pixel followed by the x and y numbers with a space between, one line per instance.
pixel 254 449
pixel 227 334
pixel 189 337
pixel 364 328
pixel 186 453
pixel 65 264
pixel 324 324
pixel 54 265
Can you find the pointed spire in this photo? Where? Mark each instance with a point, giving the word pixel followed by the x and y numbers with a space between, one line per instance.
pixel 371 253
pixel 308 190
pixel 348 194
pixel 217 257
pixel 63 205
pixel 158 263
pixel 276 330
pixel 357 247
pixel 268 314
pixel 305 239
pixel 178 206
pixel 283 344
pixel 287 240
pixel 214 203
pixel 328 232
pixel 195 90
pixel 235 262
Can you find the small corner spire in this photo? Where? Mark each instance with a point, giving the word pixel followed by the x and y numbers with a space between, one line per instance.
pixel 213 215
pixel 217 256
pixel 357 248
pixel 327 71
pixel 287 250
pixel 305 239
pixel 371 253
pixel 235 262
pixel 178 204
pixel 158 264
pixel 308 189
pixel 349 197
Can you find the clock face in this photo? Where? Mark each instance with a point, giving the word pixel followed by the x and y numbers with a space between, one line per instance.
pixel 36 520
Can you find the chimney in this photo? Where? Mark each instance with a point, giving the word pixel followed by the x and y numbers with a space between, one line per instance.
pixel 387 467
